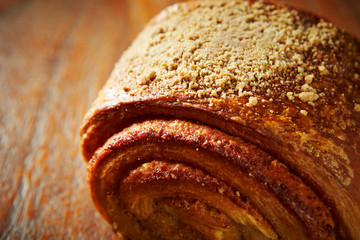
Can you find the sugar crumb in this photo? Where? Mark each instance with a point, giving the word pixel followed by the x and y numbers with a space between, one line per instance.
pixel 309 78
pixel 308 96
pixel 323 70
pixel 357 107
pixel 290 95
pixel 307 88
pixel 303 112
pixel 252 102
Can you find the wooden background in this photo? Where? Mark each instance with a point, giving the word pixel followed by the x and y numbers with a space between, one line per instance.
pixel 54 57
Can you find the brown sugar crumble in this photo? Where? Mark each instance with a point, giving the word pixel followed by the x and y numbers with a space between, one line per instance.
pixel 303 112
pixel 252 102
pixel 238 49
pixel 357 107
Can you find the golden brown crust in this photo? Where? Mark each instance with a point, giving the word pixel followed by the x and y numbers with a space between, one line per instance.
pixel 251 171
pixel 284 81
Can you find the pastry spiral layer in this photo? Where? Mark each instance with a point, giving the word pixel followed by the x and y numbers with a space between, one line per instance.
pixel 230 120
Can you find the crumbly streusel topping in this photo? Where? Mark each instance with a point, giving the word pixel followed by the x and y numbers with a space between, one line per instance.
pixel 237 49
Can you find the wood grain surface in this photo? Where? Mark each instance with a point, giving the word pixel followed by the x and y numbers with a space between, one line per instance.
pixel 54 58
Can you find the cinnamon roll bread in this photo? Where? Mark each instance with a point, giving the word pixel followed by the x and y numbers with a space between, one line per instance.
pixel 230 119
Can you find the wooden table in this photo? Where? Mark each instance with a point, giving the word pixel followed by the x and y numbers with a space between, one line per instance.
pixel 54 58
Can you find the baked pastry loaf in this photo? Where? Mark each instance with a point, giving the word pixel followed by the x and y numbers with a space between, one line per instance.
pixel 230 119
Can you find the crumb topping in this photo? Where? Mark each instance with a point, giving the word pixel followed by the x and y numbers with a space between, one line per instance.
pixel 303 112
pixel 252 102
pixel 309 78
pixel 219 49
pixel 357 107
